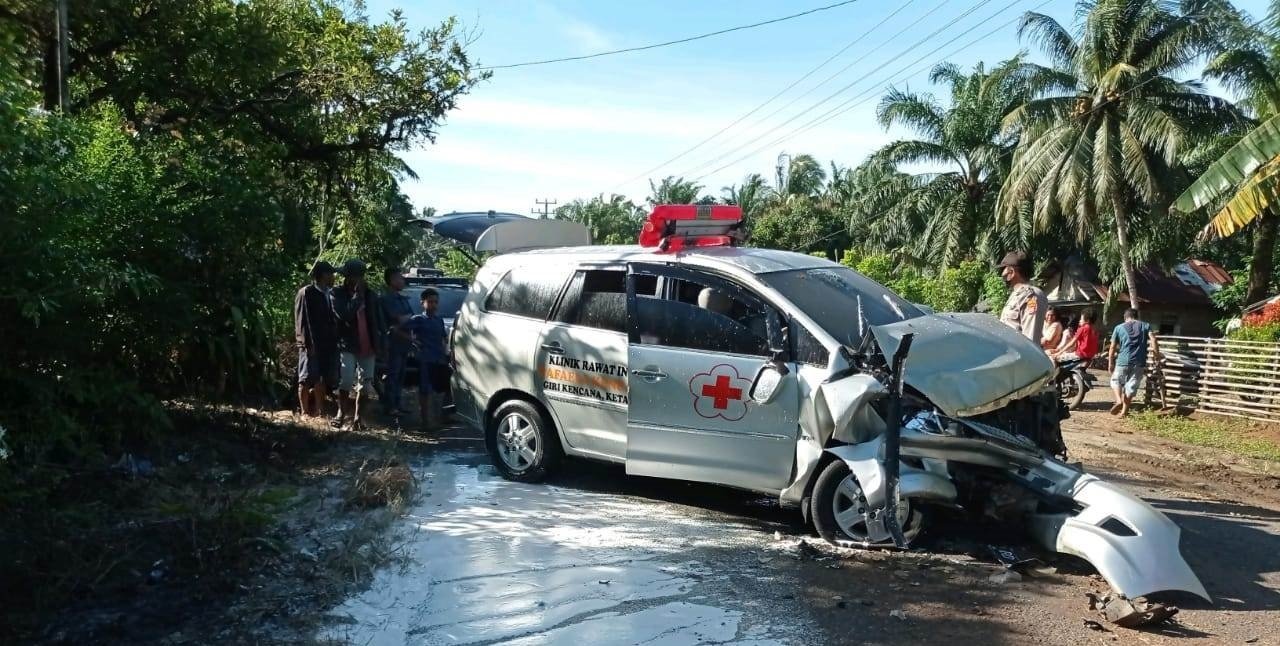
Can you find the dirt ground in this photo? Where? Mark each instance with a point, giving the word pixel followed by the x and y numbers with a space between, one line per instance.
pixel 1227 507
pixel 598 557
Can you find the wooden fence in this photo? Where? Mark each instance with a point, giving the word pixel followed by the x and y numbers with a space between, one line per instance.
pixel 1219 376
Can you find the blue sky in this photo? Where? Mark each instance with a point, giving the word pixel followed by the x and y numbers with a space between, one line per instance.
pixel 578 129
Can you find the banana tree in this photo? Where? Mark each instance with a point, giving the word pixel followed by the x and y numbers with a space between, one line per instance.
pixel 1250 173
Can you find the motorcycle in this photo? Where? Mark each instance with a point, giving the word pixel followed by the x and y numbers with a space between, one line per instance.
pixel 1073 381
pixel 906 451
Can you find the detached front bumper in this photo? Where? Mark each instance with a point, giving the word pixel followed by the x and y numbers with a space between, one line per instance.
pixel 1131 544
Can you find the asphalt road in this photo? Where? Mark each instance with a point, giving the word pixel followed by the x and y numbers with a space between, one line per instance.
pixel 597 557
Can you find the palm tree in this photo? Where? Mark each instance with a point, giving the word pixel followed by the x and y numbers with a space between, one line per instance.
pixel 1109 123
pixel 870 198
pixel 752 195
pixel 804 178
pixel 674 190
pixel 1249 172
pixel 965 139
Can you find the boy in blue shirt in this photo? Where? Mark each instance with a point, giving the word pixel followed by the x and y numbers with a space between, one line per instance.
pixel 429 337
pixel 1127 359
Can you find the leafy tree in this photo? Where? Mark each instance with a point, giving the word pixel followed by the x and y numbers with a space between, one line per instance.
pixel 956 289
pixel 752 195
pixel 870 199
pixel 1110 121
pixel 176 204
pixel 798 225
pixel 615 220
pixel 964 137
pixel 455 263
pixel 675 190
pixel 1248 174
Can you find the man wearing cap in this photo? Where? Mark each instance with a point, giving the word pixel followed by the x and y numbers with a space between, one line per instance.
pixel 317 337
pixel 1025 308
pixel 359 318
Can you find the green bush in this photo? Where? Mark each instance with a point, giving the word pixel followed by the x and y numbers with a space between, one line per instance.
pixel 155 233
pixel 1268 333
pixel 954 289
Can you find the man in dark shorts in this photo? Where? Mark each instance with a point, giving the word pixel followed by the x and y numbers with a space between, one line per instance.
pixel 1131 342
pixel 433 359
pixel 396 311
pixel 316 334
pixel 359 317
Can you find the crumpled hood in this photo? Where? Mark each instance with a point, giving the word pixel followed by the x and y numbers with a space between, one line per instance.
pixel 967 364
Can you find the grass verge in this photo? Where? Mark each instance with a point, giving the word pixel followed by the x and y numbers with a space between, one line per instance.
pixel 236 523
pixel 1232 437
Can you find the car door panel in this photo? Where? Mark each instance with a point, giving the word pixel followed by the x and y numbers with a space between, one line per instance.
pixel 690 415
pixel 697 422
pixel 583 377
pixel 582 363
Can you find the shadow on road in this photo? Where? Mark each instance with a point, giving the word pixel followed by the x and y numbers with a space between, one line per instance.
pixel 1231 546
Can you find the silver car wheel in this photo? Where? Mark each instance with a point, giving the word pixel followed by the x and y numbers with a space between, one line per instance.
pixel 517 442
pixel 849 506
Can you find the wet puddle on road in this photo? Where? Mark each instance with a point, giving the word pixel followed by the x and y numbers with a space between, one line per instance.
pixel 492 561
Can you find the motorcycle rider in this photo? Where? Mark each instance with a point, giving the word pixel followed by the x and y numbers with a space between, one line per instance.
pixel 1023 310
pixel 1084 345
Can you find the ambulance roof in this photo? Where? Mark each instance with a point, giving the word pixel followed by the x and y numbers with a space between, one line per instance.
pixel 750 259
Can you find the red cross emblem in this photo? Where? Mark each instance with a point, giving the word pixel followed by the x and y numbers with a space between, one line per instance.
pixel 719 393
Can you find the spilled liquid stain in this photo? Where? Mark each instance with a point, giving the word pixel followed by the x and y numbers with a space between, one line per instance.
pixel 497 562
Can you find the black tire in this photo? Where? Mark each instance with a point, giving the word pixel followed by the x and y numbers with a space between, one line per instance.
pixel 1078 380
pixel 506 438
pixel 823 510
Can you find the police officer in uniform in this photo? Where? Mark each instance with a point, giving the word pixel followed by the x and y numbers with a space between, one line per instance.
pixel 1025 308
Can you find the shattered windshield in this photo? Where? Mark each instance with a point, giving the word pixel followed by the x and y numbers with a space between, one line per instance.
pixel 831 296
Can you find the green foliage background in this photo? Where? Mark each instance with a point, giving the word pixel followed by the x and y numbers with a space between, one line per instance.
pixel 155 231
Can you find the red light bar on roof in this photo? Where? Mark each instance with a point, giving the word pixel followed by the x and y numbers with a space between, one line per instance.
pixel 672 227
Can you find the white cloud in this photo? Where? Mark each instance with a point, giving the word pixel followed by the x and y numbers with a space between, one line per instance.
pixel 585 37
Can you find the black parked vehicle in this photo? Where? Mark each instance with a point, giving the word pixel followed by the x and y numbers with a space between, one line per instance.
pixel 452 292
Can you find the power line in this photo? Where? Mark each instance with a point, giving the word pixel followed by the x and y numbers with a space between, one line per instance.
pixel 846 105
pixel 1012 151
pixel 784 90
pixel 1007 153
pixel 669 42
pixel 844 69
pixel 856 81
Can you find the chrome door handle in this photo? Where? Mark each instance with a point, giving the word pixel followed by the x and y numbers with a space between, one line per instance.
pixel 553 348
pixel 650 375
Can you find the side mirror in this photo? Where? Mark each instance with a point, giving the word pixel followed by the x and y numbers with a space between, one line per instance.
pixel 768 382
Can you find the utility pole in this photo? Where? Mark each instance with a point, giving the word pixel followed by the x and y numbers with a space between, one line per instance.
pixel 546 208
pixel 784 172
pixel 63 60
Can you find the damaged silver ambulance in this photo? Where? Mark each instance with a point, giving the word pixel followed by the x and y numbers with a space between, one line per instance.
pixel 689 357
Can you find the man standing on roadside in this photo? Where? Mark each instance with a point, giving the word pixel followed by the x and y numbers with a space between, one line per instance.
pixel 317 337
pixel 1024 311
pixel 396 311
pixel 433 359
pixel 359 319
pixel 1127 359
